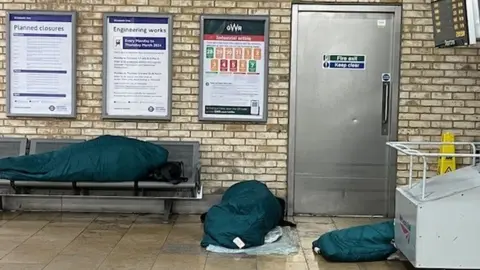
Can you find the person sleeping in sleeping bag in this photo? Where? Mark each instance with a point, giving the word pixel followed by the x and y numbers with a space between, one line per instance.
pixel 247 212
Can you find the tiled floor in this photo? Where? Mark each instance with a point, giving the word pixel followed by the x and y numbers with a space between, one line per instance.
pixel 113 241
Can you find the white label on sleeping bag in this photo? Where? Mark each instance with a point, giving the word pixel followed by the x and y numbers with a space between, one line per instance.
pixel 238 242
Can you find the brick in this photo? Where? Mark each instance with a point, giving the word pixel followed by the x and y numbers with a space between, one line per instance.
pixel 179 133
pixel 234 141
pixel 148 9
pixel 225 4
pixel 125 125
pixel 25 130
pixel 137 2
pixel 243 4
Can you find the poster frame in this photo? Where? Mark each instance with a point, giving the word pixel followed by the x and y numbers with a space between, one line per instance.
pixel 266 18
pixel 106 15
pixel 73 68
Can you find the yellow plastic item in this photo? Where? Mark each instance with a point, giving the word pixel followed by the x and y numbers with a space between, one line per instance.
pixel 447 164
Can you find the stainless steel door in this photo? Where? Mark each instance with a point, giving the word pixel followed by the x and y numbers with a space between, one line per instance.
pixel 344 67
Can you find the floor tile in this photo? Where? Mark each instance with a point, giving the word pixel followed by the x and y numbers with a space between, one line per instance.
pixel 306 242
pixel 31 255
pixel 75 217
pixel 61 232
pixel 188 219
pixel 39 216
pixel 283 266
pixel 21 227
pixel 372 265
pixel 332 266
pixel 76 262
pixel 39 249
pixel 144 229
pixel 397 265
pixel 280 263
pixel 230 256
pixel 321 220
pixel 102 225
pixel 151 219
pixel 299 257
pixel 186 233
pixel 9 243
pixel 342 223
pixel 129 260
pixel 313 229
pixel 318 263
pixel 217 263
pixel 383 266
pixel 183 248
pixel 7 215
pixel 184 238
pixel 21 266
pixel 138 249
pixel 91 243
pixel 310 256
pixel 180 262
pixel 43 246
pixel 117 218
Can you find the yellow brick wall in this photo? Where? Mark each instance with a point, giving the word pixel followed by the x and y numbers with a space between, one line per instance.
pixel 438 87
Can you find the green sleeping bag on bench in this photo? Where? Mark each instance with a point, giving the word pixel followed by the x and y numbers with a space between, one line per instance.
pixel 104 159
pixel 247 212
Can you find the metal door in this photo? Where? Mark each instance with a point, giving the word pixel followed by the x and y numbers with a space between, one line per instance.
pixel 343 106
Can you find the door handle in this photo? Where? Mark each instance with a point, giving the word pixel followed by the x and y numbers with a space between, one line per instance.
pixel 385 102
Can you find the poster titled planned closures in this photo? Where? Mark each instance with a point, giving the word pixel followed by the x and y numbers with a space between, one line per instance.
pixel 41 64
pixel 234 68
pixel 137 66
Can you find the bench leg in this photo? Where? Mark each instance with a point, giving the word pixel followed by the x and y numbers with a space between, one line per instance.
pixel 1 203
pixel 167 208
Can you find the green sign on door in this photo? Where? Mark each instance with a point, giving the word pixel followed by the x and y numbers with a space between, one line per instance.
pixel 344 58
pixel 344 61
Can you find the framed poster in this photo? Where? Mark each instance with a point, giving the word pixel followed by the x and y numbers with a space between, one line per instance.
pixel 41 64
pixel 234 68
pixel 137 66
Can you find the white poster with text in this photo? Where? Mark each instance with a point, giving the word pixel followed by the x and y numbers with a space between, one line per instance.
pixel 138 65
pixel 41 76
pixel 234 69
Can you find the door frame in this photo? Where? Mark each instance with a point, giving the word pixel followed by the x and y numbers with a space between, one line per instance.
pixel 396 10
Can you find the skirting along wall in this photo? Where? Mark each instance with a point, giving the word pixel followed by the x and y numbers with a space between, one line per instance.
pixel 439 88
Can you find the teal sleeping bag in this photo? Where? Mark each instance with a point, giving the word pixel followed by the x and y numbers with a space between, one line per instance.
pixel 247 212
pixel 103 159
pixel 357 244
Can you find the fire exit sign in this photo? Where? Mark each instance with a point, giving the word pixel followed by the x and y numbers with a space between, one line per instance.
pixel 344 61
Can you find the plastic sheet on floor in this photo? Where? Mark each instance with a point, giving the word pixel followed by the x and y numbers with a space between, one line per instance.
pixel 279 241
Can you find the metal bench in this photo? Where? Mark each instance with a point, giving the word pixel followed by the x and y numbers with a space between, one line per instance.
pixel 10 147
pixel 187 152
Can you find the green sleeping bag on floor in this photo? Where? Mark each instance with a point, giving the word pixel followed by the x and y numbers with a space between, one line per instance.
pixel 247 212
pixel 104 159
pixel 364 243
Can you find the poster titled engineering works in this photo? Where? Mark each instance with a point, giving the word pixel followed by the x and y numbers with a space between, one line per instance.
pixel 137 74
